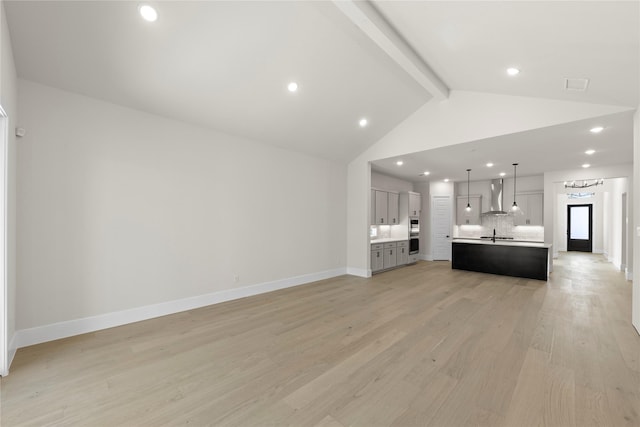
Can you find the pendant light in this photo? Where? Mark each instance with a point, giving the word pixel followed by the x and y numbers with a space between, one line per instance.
pixel 515 205
pixel 468 204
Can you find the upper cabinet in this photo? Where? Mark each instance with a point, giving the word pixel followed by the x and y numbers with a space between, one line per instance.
pixel 531 209
pixel 385 206
pixel 392 211
pixel 464 217
pixel 415 203
pixel 382 207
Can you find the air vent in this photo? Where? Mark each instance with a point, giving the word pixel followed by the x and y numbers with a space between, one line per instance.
pixel 579 85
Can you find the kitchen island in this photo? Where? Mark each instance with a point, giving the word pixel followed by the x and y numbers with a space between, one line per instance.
pixel 531 260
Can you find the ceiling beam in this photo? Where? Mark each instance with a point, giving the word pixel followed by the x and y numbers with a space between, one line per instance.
pixel 365 16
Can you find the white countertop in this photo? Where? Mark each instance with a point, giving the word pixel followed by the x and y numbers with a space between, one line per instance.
pixel 503 243
pixel 388 239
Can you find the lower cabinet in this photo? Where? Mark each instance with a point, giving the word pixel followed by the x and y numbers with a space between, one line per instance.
pixel 403 253
pixel 377 257
pixel 389 255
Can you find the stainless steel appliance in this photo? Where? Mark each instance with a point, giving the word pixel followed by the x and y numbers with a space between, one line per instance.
pixel 414 236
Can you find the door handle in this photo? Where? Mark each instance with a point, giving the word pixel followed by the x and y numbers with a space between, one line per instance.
pixel 447 237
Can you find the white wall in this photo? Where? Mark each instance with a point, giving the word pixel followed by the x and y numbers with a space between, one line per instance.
pixel 8 100
pixel 634 235
pixel 463 117
pixel 613 224
pixel 389 183
pixel 122 209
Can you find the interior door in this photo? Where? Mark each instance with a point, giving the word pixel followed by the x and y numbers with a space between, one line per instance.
pixel 441 228
pixel 580 228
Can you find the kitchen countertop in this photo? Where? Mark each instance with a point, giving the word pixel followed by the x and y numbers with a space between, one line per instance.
pixel 503 243
pixel 389 239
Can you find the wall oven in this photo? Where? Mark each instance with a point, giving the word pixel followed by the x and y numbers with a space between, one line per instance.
pixel 414 245
pixel 414 236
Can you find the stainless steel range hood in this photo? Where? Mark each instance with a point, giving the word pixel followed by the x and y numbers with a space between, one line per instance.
pixel 497 198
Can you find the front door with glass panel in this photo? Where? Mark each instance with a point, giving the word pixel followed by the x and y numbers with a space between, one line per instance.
pixel 579 228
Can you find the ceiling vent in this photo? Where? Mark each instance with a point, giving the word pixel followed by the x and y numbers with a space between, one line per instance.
pixel 579 85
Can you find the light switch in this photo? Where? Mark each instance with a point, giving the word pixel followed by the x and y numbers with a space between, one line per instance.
pixel 638 231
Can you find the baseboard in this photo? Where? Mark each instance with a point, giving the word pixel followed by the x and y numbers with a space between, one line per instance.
pixel 55 331
pixel 360 272
pixel 600 251
pixel 425 257
pixel 629 274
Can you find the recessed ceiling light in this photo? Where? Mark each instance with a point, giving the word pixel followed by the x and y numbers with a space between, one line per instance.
pixel 363 122
pixel 512 71
pixel 586 165
pixel 589 152
pixel 148 13
pixel 489 165
pixel 503 173
pixel 292 87
pixel 399 163
pixel 597 129
pixel 446 180
pixel 426 173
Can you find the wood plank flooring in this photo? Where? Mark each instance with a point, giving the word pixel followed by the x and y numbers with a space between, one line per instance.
pixel 419 346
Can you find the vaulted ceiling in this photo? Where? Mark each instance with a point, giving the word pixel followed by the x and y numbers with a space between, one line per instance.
pixel 226 64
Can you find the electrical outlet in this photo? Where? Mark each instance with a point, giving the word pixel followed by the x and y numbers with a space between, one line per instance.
pixel 236 278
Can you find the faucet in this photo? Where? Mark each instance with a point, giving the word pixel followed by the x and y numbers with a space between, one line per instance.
pixel 493 239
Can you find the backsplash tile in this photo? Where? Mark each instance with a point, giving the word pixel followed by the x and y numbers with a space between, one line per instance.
pixel 503 224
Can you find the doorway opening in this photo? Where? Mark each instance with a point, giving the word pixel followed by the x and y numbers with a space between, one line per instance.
pixel 441 228
pixel 580 228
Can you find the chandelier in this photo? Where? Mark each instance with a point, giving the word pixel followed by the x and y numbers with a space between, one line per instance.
pixel 584 184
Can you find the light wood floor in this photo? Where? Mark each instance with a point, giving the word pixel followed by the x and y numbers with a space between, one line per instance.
pixel 423 345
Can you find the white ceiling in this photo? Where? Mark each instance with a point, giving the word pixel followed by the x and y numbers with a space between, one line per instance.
pixel 225 65
pixel 553 148
pixel 469 44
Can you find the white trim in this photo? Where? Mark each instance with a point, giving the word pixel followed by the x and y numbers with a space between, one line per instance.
pixel 366 17
pixel 426 257
pixel 629 274
pixel 360 272
pixel 4 297
pixel 54 331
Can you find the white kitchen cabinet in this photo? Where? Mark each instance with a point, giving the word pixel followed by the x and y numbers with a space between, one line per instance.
pixel 393 208
pixel 536 209
pixel 390 255
pixel 386 207
pixel 530 209
pixel 415 203
pixel 382 207
pixel 468 218
pixel 402 253
pixel 377 257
